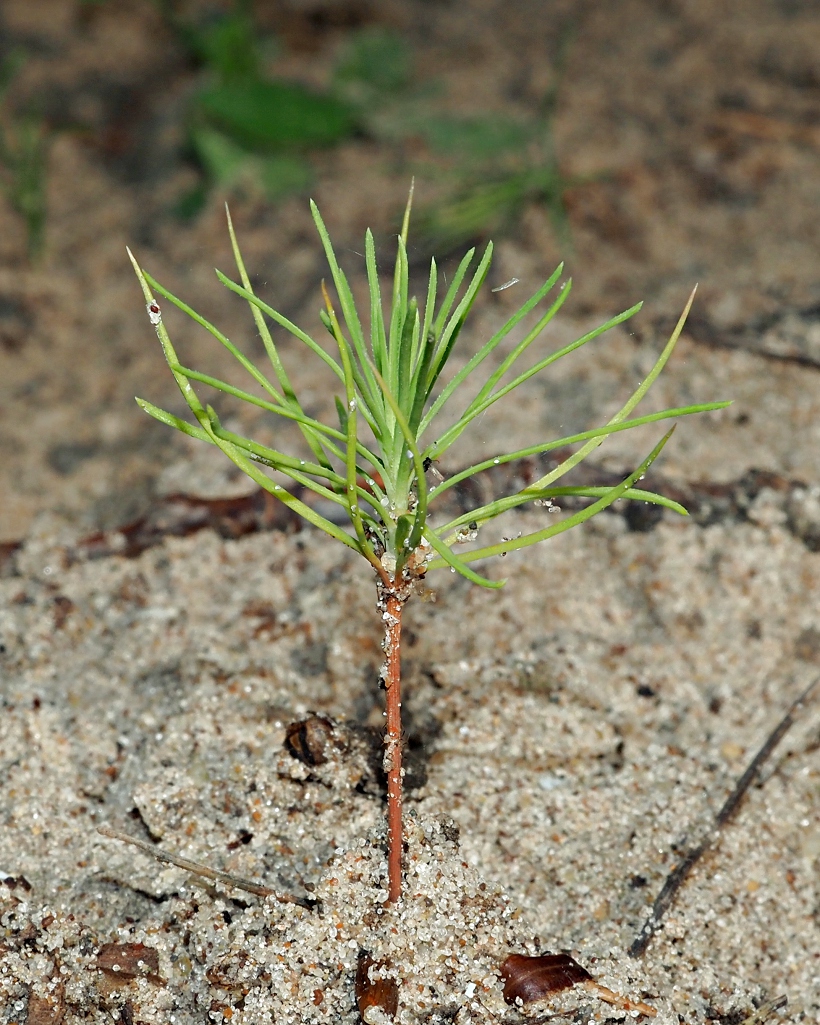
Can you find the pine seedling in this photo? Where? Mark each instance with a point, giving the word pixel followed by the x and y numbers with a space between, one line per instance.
pixel 374 463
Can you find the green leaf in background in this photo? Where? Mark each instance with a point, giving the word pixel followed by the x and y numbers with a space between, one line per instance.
pixel 229 48
pixel 221 158
pixel 481 137
pixel 485 207
pixel 376 62
pixel 267 116
pixel 23 158
pixel 227 164
pixel 284 175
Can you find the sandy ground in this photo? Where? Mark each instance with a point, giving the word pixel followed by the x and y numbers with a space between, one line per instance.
pixel 570 738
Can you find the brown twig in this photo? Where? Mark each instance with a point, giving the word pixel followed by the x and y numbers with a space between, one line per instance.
pixel 680 873
pixel 392 743
pixel 202 870
pixel 609 996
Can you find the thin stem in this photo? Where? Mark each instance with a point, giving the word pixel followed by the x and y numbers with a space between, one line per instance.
pixel 680 873
pixel 248 885
pixel 392 741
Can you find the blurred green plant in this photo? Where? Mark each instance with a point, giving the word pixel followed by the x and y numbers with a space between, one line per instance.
pixel 485 167
pixel 374 68
pixel 497 165
pixel 247 128
pixel 244 127
pixel 23 154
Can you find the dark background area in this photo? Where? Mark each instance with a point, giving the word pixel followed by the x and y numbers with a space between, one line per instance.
pixel 651 145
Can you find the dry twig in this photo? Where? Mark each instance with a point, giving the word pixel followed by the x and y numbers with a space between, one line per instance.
pixel 680 872
pixel 763 1012
pixel 248 885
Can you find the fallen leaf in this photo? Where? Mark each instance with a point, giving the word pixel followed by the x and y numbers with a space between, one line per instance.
pixel 534 978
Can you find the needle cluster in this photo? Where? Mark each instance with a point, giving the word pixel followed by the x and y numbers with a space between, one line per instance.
pixel 373 463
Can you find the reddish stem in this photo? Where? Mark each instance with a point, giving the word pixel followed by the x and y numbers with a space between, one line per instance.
pixel 392 744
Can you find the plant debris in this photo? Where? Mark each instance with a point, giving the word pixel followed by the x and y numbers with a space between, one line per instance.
pixel 127 961
pixel 530 978
pixel 765 1010
pixel 677 877
pixel 202 870
pixel 48 1010
pixel 381 992
pixel 534 978
pixel 313 740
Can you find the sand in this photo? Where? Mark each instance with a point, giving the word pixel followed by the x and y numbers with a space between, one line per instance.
pixel 570 737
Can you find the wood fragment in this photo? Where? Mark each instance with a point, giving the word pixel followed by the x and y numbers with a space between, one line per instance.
pixel 622 1003
pixel 681 871
pixel 47 1010
pixel 124 962
pixel 382 993
pixel 248 885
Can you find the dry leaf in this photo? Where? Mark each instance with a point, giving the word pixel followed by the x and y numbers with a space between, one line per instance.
pixel 127 961
pixel 535 978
